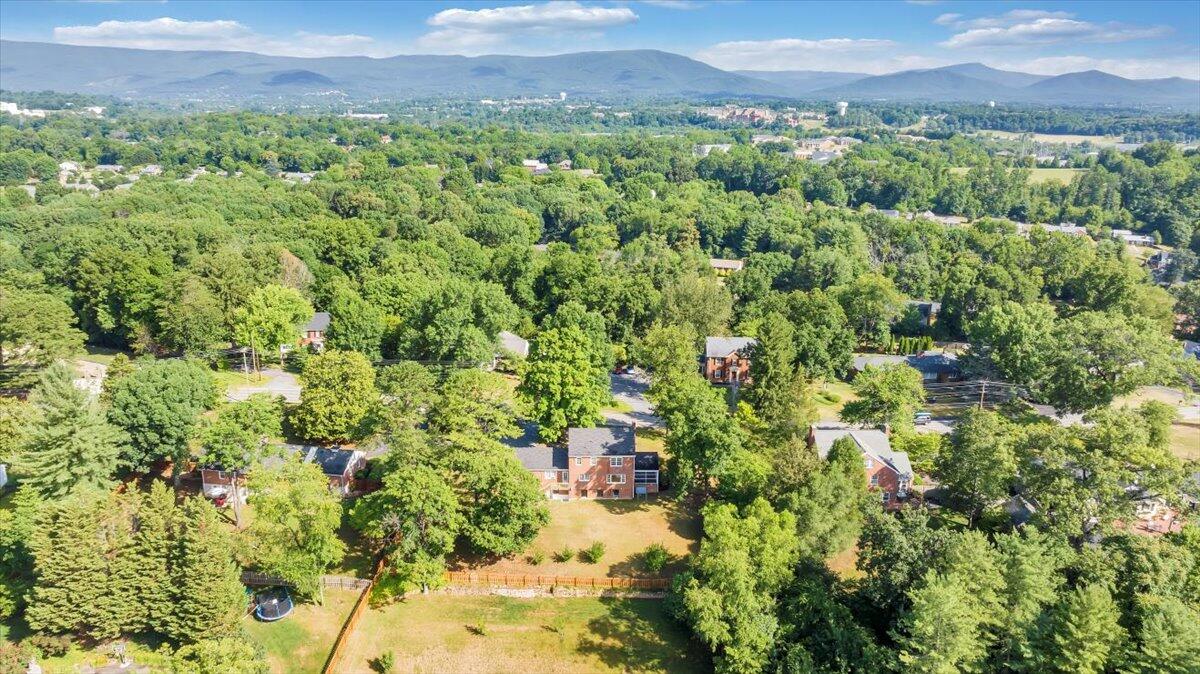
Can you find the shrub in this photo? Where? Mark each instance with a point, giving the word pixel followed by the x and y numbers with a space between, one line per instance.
pixel 50 646
pixel 536 557
pixel 478 629
pixel 655 557
pixel 564 555
pixel 592 553
pixel 385 663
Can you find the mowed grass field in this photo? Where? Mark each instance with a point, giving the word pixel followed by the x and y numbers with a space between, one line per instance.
pixel 432 634
pixel 625 527
pixel 1038 175
pixel 1061 138
pixel 300 643
pixel 1185 432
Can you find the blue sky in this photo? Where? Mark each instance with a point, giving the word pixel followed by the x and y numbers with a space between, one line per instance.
pixel 1134 39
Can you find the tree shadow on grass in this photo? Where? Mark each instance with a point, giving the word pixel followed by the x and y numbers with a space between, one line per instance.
pixel 636 635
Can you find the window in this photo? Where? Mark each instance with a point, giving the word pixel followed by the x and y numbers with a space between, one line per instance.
pixel 548 474
pixel 583 477
pixel 886 497
pixel 870 463
pixel 645 477
pixel 614 478
pixel 594 460
pixel 579 461
pixel 616 462
pixel 874 480
pixel 563 476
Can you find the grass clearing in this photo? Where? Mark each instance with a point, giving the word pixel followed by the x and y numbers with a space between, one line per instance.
pixel 441 633
pixel 625 527
pixel 1060 138
pixel 651 439
pixel 830 396
pixel 1037 176
pixel 1185 441
pixel 228 380
pixel 1185 432
pixel 300 643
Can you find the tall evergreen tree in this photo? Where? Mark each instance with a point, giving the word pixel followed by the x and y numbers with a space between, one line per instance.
pixel 772 367
pixel 71 550
pixel 940 634
pixel 153 538
pixel 207 599
pixel 71 445
pixel 1081 635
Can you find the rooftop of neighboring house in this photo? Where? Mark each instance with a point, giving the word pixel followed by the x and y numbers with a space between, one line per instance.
pixel 513 343
pixel 926 307
pixel 721 263
pixel 723 347
pixel 924 362
pixel 332 460
pixel 1191 348
pixel 319 322
pixel 601 441
pixel 873 443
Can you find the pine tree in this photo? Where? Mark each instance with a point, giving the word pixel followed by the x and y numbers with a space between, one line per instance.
pixel 772 368
pixel 70 550
pixel 156 521
pixel 208 597
pixel 1081 634
pixel 71 446
pixel 941 632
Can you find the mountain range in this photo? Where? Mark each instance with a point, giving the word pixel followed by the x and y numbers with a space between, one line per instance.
pixel 216 75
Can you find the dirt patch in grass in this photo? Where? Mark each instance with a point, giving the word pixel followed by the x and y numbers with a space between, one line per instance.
pixel 300 643
pixel 844 564
pixel 625 527
pixel 486 634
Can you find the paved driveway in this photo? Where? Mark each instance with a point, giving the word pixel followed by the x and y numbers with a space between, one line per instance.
pixel 629 389
pixel 275 382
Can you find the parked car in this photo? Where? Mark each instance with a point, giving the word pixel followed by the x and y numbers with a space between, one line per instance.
pixel 922 418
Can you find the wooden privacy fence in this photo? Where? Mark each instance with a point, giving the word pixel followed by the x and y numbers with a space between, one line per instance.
pixel 535 580
pixel 336 655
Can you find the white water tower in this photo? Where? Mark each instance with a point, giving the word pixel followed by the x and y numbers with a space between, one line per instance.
pixel 562 95
pixel 842 106
pixel 991 104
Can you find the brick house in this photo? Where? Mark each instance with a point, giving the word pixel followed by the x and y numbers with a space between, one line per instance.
pixel 338 465
pixel 596 463
pixel 314 332
pixel 889 472
pixel 726 359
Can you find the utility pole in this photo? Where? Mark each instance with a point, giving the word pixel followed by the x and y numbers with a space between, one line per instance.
pixel 982 393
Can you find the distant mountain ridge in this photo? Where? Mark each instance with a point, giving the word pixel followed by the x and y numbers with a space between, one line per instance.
pixel 156 74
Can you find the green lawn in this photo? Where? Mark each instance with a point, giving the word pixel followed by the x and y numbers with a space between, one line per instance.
pixel 489 634
pixel 100 354
pixel 830 396
pixel 227 380
pixel 300 643
pixel 1037 176
pixel 141 651
pixel 577 524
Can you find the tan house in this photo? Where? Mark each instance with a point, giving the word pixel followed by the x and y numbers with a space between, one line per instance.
pixel 725 267
pixel 596 463
pixel 726 359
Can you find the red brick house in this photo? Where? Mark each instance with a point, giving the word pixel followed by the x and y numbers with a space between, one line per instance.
pixel 726 360
pixel 596 463
pixel 339 465
pixel 888 472
pixel 314 333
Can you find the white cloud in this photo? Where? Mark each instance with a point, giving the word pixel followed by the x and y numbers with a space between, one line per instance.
pixel 838 54
pixel 675 4
pixel 478 30
pixel 219 35
pixel 1133 68
pixel 1020 27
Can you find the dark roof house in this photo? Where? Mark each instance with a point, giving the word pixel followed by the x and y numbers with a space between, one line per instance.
pixel 601 441
pixel 319 322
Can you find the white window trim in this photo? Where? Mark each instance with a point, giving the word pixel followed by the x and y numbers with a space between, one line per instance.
pixel 886 497
pixel 875 480
pixel 594 460
pixel 579 461
pixel 549 474
pixel 616 462
pixel 615 478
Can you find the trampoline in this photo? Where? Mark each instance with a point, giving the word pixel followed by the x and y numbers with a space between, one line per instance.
pixel 273 604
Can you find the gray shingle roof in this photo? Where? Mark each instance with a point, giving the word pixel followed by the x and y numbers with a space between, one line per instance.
pixel 721 347
pixel 602 441
pixel 646 461
pixel 513 343
pixel 927 362
pixel 542 458
pixel 319 322
pixel 872 442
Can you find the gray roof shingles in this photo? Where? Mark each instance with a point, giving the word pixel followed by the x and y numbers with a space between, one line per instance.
pixel 871 442
pixel 721 347
pixel 319 322
pixel 601 441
